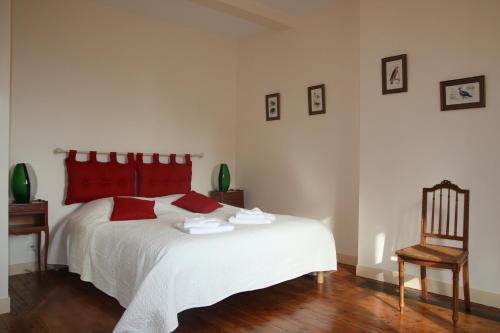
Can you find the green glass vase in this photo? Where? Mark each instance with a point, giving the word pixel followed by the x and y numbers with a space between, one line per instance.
pixel 21 184
pixel 224 178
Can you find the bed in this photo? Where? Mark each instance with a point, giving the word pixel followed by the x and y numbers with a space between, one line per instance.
pixel 156 271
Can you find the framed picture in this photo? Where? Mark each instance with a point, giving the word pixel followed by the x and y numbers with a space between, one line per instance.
pixel 316 98
pixel 273 107
pixel 394 75
pixel 463 93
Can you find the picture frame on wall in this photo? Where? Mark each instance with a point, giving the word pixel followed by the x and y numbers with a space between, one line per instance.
pixel 463 93
pixel 273 111
pixel 394 74
pixel 316 98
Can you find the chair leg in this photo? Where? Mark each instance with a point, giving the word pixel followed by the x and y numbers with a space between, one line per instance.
pixel 466 286
pixel 423 281
pixel 401 285
pixel 456 272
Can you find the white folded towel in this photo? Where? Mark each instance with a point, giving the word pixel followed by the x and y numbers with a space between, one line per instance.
pixel 203 230
pixel 255 211
pixel 201 222
pixel 201 225
pixel 235 220
pixel 199 218
pixel 262 216
pixel 252 216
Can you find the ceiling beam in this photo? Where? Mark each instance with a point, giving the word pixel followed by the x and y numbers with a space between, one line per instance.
pixel 252 11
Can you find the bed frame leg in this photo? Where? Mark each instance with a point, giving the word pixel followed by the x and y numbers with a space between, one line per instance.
pixel 320 278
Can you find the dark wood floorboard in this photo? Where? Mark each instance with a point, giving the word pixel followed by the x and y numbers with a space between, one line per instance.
pixel 58 301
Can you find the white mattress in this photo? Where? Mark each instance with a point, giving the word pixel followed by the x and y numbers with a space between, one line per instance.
pixel 156 271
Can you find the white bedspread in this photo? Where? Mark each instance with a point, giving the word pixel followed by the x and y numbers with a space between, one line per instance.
pixel 156 271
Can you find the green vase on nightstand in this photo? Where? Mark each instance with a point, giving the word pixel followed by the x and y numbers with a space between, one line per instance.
pixel 224 178
pixel 23 183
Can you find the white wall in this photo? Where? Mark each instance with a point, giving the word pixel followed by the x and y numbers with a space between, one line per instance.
pixel 408 143
pixel 89 76
pixel 303 165
pixel 5 39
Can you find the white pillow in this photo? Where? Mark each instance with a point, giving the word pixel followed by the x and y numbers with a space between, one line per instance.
pixel 98 210
pixel 163 205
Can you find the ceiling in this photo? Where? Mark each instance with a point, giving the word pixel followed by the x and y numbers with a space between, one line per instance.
pixel 202 15
pixel 296 7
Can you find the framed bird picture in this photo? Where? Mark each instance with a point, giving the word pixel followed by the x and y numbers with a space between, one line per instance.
pixel 273 107
pixel 463 93
pixel 394 74
pixel 316 96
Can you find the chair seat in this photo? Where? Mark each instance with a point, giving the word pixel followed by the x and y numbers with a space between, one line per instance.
pixel 434 253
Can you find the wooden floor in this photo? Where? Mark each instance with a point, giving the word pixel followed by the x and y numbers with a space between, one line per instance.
pixel 57 301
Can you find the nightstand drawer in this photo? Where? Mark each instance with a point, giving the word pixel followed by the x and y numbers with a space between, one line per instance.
pixel 231 197
pixel 35 207
pixel 32 220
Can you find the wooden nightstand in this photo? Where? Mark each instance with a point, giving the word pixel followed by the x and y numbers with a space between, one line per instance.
pixel 31 218
pixel 231 197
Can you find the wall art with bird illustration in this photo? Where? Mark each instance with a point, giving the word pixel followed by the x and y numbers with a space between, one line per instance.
pixel 394 74
pixel 317 100
pixel 463 93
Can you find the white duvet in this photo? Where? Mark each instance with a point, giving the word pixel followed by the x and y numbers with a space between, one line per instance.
pixel 156 271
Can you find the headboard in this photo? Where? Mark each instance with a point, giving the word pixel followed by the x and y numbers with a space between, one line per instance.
pixel 92 179
pixel 157 179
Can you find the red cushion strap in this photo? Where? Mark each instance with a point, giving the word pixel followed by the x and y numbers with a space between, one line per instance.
pixel 93 156
pixel 156 158
pixel 172 159
pixel 130 158
pixel 112 157
pixel 71 156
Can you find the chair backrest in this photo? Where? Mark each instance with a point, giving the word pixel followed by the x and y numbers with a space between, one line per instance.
pixel 444 201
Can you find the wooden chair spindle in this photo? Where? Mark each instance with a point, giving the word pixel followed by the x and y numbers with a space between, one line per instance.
pixel 456 213
pixel 440 209
pixel 433 201
pixel 448 215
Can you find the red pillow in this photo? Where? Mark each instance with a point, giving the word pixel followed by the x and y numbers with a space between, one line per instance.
pixel 132 209
pixel 196 202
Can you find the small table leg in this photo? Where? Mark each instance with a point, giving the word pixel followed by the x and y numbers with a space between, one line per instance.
pixel 39 245
pixel 46 232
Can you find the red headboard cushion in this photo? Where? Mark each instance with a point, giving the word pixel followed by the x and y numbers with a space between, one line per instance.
pixel 90 180
pixel 157 179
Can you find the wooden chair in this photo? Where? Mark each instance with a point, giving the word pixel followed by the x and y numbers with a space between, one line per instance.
pixel 438 256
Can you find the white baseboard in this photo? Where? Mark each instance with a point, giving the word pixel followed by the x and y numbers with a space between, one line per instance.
pixel 347 259
pixel 22 268
pixel 476 295
pixel 4 305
